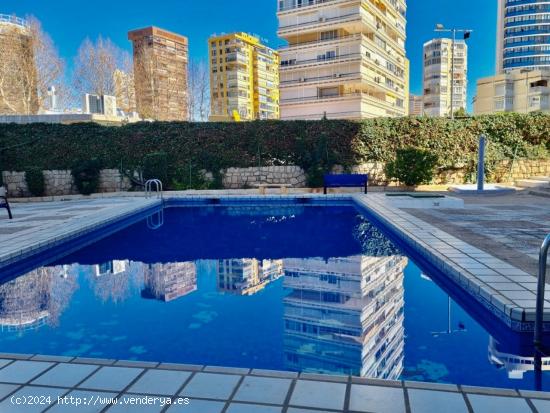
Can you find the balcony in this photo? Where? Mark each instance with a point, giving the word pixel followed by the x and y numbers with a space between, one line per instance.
pixel 322 60
pixel 335 78
pixel 318 24
pixel 307 4
pixel 10 19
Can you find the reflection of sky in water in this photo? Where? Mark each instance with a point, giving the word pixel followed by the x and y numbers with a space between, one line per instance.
pixel 359 314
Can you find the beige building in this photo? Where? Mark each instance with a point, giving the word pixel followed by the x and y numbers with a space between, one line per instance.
pixel 439 77
pixel 517 91
pixel 345 59
pixel 416 105
pixel 244 78
pixel 161 72
pixel 18 89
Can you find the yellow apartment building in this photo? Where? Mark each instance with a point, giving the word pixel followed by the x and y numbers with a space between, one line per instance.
pixel 244 78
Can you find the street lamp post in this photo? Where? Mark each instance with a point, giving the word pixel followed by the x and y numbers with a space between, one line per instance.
pixel 467 32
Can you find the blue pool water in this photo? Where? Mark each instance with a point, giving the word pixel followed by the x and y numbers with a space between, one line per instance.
pixel 288 287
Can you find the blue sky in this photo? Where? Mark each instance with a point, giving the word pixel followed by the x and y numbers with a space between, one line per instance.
pixel 70 21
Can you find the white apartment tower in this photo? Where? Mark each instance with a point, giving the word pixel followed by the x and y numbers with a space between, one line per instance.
pixel 439 73
pixel 345 59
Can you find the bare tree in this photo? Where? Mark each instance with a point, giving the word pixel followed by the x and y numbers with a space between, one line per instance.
pixel 50 68
pixel 124 84
pixel 199 91
pixel 29 65
pixel 94 67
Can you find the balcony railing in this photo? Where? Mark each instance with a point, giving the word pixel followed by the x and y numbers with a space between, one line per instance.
pixel 300 4
pixel 323 20
pixel 5 18
pixel 316 79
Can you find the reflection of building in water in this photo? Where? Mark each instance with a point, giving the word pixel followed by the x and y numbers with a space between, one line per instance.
pixel 36 298
pixel 247 276
pixel 111 280
pixel 110 267
pixel 514 364
pixel 345 315
pixel 167 282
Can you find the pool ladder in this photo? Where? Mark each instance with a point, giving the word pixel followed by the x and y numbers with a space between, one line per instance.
pixel 149 188
pixel 539 317
pixel 156 220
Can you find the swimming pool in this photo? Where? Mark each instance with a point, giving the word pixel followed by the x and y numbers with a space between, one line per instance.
pixel 285 286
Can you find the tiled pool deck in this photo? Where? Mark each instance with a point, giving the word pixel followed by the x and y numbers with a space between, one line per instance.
pixel 97 382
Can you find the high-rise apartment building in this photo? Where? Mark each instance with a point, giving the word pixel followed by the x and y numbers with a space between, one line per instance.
pixel 521 91
pixel 244 78
pixel 345 59
pixel 416 105
pixel 18 89
pixel 522 61
pixel 440 77
pixel 523 38
pixel 160 74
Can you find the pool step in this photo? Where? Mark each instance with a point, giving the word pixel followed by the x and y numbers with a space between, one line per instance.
pixel 533 183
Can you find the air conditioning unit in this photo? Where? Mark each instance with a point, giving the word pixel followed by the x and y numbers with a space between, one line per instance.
pixel 336 75
pixel 322 19
pixel 302 79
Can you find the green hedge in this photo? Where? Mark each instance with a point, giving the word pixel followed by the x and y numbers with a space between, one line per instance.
pixel 34 177
pixel 314 145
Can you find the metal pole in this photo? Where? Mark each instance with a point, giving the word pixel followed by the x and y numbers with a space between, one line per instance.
pixel 453 74
pixel 539 319
pixel 481 164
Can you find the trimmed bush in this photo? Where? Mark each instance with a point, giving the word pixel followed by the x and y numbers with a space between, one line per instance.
pixel 412 166
pixel 86 176
pixel 34 177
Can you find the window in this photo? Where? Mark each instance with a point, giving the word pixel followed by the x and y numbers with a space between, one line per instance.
pixel 328 92
pixel 331 34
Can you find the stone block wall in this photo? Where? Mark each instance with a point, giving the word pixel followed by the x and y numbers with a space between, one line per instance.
pixel 15 184
pixel 293 176
pixel 527 168
pixel 111 180
pixel 61 182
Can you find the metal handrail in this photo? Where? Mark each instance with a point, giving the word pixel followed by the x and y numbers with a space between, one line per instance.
pixel 539 319
pixel 149 188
